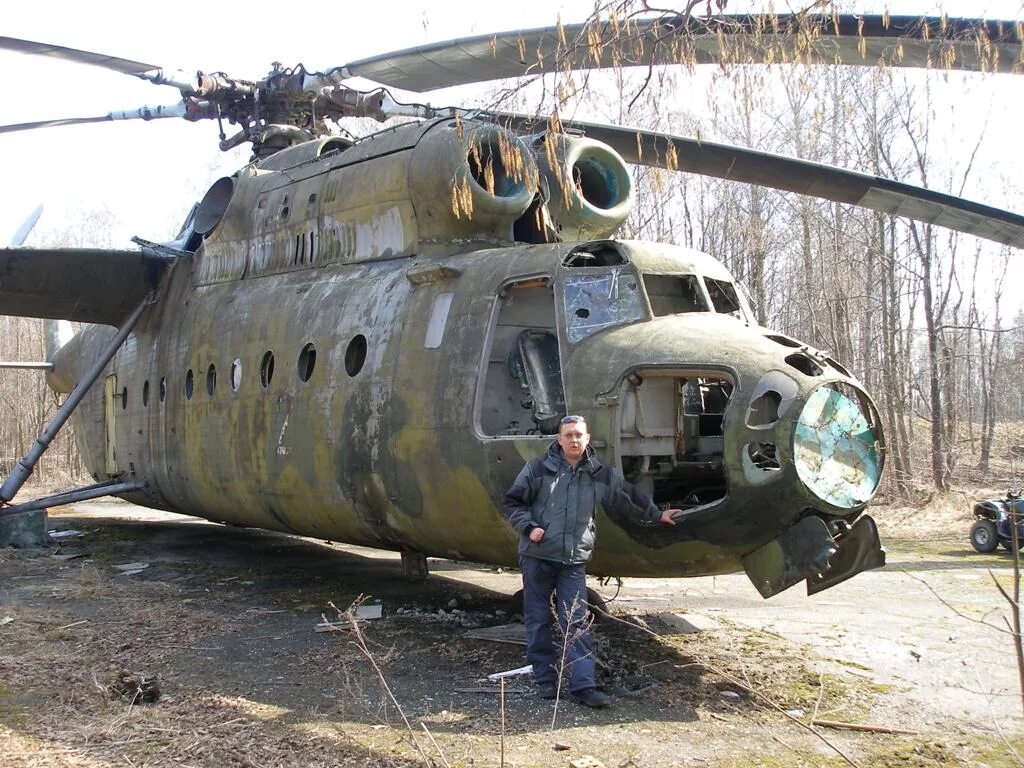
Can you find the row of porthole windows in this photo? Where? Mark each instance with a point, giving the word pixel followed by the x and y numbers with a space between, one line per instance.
pixel 355 357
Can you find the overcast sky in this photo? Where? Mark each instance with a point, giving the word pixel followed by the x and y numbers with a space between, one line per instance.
pixel 149 173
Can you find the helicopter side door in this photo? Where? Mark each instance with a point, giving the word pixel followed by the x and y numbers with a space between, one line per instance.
pixel 523 393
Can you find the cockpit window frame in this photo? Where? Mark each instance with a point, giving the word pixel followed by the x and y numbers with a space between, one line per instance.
pixel 576 276
pixel 697 284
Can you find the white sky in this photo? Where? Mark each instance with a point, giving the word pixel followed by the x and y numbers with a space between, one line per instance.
pixel 150 173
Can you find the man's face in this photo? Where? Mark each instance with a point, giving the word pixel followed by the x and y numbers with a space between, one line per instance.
pixel 573 439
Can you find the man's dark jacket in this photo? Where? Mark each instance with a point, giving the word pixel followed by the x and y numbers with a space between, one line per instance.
pixel 549 493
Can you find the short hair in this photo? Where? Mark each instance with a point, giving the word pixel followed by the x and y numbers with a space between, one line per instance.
pixel 572 419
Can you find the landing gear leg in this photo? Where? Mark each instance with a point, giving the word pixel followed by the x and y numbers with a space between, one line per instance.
pixel 414 566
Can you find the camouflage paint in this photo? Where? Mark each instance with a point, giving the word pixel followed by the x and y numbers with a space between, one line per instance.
pixel 322 248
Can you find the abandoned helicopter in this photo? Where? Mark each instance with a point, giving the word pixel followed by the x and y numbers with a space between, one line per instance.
pixel 363 340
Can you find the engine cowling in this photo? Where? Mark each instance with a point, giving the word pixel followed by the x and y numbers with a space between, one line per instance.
pixel 471 182
pixel 590 187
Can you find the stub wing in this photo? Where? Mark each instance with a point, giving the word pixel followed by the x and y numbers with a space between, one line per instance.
pixel 88 285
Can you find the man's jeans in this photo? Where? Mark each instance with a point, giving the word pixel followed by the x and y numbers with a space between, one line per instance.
pixel 568 582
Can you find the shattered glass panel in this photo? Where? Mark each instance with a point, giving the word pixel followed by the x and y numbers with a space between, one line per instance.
pixel 594 302
pixel 836 447
pixel 723 297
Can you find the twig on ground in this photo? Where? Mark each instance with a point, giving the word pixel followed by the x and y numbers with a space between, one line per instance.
pixel 440 752
pixel 862 727
pixel 360 642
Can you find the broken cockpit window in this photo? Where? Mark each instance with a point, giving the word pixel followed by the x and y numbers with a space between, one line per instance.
pixel 597 301
pixel 723 297
pixel 674 294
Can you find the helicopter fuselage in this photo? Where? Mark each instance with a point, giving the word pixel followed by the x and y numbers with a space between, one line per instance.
pixel 348 356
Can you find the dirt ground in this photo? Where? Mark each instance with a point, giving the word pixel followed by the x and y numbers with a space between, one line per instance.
pixel 222 622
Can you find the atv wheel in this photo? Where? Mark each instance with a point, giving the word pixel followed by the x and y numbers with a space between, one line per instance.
pixel 983 536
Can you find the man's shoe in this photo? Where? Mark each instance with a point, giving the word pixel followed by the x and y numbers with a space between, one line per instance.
pixel 591 697
pixel 547 690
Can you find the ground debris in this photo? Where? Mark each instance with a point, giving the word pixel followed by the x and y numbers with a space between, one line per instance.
pixel 71 555
pixel 862 727
pixel 66 534
pixel 514 633
pixel 135 688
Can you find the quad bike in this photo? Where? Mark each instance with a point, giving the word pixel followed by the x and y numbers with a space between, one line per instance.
pixel 992 522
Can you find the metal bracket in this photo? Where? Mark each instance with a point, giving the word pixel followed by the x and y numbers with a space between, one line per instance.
pixel 109 488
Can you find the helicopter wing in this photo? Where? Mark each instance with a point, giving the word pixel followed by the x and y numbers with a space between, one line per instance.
pixel 83 284
pixel 790 174
pixel 904 41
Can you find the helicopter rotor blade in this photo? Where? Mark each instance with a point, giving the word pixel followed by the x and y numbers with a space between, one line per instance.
pixel 905 41
pixel 790 174
pixel 192 110
pixel 151 72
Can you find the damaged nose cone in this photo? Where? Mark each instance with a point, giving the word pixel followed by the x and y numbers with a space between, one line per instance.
pixel 838 455
pixel 837 446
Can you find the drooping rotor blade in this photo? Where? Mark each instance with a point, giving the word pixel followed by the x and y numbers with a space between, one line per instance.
pixel 21 235
pixel 790 174
pixel 151 72
pixel 905 41
pixel 52 123
pixel 190 110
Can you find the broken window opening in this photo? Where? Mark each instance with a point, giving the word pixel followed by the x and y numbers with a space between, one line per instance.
pixel 764 411
pixel 764 456
pixel 522 382
pixel 603 253
pixel 671 436
pixel 674 294
pixel 724 297
pixel 536 364
pixel 804 364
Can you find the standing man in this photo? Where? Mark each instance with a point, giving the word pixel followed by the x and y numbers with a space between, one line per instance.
pixel 551 506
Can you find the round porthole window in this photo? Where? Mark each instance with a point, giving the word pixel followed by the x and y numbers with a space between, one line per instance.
pixel 307 362
pixel 355 355
pixel 267 369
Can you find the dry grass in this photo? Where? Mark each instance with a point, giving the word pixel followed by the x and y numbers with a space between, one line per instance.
pixel 59 657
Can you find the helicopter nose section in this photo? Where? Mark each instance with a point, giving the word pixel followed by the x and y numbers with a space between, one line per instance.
pixel 836 446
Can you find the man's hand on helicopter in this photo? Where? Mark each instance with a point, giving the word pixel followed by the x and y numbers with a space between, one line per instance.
pixel 668 516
